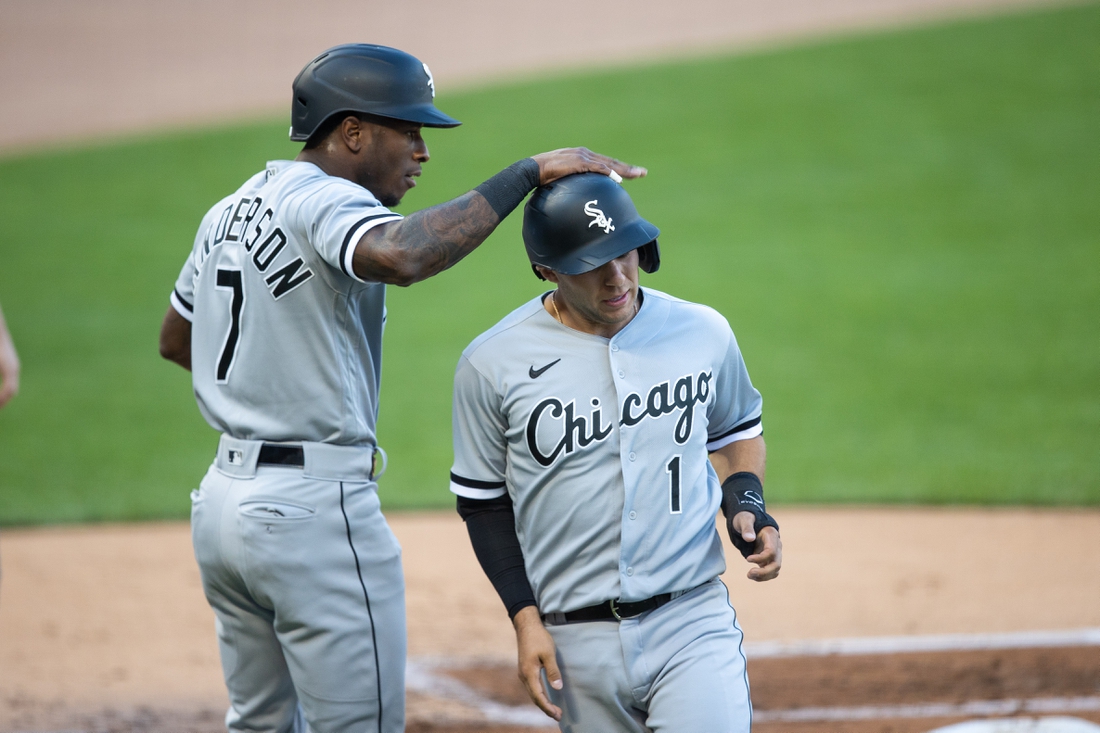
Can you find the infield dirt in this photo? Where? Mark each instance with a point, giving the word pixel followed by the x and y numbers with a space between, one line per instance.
pixel 105 628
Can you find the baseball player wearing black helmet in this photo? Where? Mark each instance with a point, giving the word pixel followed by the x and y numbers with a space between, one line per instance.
pixel 278 313
pixel 598 428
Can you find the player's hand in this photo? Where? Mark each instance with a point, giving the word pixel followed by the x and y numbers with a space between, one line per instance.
pixel 567 161
pixel 536 653
pixel 768 554
pixel 9 386
pixel 9 372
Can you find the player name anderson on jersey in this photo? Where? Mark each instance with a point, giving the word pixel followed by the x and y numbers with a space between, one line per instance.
pixel 234 226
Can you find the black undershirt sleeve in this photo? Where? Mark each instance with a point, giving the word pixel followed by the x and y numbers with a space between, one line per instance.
pixel 491 524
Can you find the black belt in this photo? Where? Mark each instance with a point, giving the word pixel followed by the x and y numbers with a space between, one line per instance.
pixel 610 610
pixel 274 454
pixel 292 455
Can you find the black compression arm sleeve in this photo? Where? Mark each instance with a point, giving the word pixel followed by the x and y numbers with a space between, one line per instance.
pixel 506 189
pixel 491 524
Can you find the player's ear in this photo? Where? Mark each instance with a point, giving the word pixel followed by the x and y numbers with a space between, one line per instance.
pixel 353 132
pixel 547 273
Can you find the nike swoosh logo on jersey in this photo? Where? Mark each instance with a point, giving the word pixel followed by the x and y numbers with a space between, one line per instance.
pixel 536 373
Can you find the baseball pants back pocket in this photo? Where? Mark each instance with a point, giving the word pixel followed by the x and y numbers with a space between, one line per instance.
pixel 275 509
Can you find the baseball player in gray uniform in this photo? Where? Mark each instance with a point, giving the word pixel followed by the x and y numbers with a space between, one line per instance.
pixel 582 427
pixel 278 312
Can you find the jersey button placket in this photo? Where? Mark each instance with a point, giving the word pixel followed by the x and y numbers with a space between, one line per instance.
pixel 633 533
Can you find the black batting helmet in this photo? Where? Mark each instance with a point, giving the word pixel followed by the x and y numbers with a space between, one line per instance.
pixel 360 77
pixel 580 222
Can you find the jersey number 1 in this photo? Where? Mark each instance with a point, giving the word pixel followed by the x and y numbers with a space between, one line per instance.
pixel 231 280
pixel 673 471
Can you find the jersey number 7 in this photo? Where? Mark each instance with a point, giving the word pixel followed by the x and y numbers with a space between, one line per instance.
pixel 230 280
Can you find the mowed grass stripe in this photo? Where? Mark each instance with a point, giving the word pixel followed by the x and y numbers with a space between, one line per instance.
pixel 901 227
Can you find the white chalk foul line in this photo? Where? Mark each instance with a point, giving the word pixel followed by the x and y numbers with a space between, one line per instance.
pixel 930 710
pixel 421 676
pixel 932 643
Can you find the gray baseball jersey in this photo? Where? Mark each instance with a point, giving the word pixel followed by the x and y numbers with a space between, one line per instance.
pixel 602 445
pixel 296 560
pixel 286 340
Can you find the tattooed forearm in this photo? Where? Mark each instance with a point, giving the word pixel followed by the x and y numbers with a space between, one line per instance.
pixel 426 242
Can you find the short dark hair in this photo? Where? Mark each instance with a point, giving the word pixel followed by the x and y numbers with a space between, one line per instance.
pixel 326 128
pixel 330 124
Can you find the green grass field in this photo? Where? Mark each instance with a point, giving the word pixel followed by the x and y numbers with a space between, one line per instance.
pixel 903 229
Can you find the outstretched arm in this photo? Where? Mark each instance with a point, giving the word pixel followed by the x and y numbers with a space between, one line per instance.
pixel 429 241
pixel 749 457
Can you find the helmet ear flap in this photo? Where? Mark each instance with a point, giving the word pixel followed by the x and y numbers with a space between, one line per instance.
pixel 649 257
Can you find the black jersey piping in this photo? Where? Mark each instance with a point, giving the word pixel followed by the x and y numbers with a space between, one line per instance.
pixel 737 429
pixel 741 651
pixel 354 228
pixel 475 484
pixel 366 600
pixel 183 300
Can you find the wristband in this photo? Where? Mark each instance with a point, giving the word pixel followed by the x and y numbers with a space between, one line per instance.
pixel 743 492
pixel 506 189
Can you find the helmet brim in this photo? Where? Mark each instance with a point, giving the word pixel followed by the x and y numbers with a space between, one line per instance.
pixel 637 234
pixel 425 114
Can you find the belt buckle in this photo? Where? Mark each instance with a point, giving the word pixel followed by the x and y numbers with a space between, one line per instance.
pixel 375 472
pixel 615 611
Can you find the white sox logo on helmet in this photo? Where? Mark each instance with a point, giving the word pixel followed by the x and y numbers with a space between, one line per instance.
pixel 431 81
pixel 598 218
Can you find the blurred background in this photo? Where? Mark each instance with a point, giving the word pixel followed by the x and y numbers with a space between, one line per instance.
pixel 894 204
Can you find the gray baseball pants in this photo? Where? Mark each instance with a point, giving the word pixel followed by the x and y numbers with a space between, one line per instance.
pixel 304 576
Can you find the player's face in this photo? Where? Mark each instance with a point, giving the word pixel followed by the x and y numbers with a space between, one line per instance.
pixel 391 160
pixel 600 301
